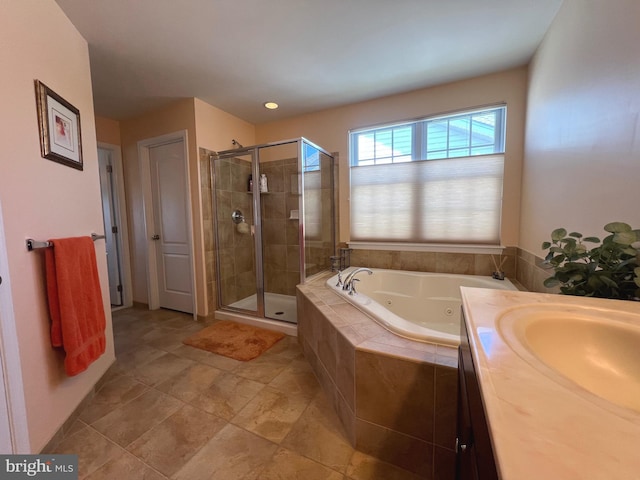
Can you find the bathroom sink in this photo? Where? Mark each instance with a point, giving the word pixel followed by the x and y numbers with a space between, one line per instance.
pixel 596 349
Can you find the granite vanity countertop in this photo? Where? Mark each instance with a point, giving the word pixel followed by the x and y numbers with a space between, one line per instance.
pixel 541 425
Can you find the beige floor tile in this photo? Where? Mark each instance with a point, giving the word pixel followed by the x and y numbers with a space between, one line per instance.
pixel 124 343
pixel 232 454
pixel 172 338
pixel 75 427
pixel 189 383
pixel 156 333
pixel 208 358
pixel 262 369
pixel 173 442
pixel 125 466
pixel 183 322
pixel 287 347
pixel 272 413
pixel 160 369
pixel 127 423
pixel 318 435
pixel 137 357
pixel 93 450
pixel 177 426
pixel 365 467
pixel 297 378
pixel 112 395
pixel 227 395
pixel 288 465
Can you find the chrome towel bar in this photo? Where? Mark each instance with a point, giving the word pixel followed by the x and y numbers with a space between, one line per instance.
pixel 33 244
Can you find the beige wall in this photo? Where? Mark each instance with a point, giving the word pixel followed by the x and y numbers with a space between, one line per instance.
pixel 108 131
pixel 43 199
pixel 215 128
pixel 207 127
pixel 582 156
pixel 177 117
pixel 329 129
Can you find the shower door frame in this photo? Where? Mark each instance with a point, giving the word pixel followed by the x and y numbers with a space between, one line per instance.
pixel 254 151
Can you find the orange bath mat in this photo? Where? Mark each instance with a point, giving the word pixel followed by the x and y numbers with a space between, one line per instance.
pixel 234 340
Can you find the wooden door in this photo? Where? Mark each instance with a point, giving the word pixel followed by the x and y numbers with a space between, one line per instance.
pixel 170 198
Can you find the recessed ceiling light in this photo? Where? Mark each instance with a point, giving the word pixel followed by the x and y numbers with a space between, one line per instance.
pixel 271 105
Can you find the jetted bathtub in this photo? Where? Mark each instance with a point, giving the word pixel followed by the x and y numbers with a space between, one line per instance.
pixel 421 306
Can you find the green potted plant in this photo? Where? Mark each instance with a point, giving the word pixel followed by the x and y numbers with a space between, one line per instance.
pixel 611 269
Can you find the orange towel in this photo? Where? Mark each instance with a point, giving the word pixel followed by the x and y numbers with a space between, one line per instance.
pixel 75 302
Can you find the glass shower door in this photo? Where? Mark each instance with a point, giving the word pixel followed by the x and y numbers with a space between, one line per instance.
pixel 235 240
pixel 280 229
pixel 319 218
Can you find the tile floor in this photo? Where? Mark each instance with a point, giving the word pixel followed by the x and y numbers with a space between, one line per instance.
pixel 167 410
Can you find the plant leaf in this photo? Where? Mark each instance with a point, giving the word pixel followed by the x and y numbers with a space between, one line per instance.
pixel 625 238
pixel 558 234
pixel 575 234
pixel 617 227
pixel 546 245
pixel 591 239
pixel 551 282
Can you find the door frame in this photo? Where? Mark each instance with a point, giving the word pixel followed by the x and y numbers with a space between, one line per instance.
pixel 144 146
pixel 10 367
pixel 123 227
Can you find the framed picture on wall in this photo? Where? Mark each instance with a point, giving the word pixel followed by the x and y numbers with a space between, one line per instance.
pixel 59 126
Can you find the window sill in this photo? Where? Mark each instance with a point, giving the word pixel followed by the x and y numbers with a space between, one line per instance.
pixel 427 247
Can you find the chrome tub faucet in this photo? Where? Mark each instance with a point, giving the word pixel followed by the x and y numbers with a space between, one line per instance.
pixel 348 284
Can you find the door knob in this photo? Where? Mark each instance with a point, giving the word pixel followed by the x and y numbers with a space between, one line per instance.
pixel 460 447
pixel 155 237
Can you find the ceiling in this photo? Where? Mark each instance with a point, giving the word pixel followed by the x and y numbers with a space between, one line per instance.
pixel 306 55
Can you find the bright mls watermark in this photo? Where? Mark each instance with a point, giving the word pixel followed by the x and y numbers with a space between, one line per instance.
pixel 49 467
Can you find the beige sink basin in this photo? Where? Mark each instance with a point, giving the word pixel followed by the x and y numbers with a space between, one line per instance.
pixel 596 349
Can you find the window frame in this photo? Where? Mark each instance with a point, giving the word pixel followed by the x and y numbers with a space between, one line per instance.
pixel 419 136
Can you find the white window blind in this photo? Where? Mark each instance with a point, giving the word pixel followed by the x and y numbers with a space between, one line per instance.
pixel 453 200
pixel 432 180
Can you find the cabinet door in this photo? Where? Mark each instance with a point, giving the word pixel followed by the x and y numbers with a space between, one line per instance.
pixel 465 453
pixel 474 451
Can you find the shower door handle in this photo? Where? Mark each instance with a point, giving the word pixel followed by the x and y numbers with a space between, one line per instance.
pixel 155 237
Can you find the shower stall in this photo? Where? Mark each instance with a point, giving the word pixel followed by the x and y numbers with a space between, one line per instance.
pixel 274 226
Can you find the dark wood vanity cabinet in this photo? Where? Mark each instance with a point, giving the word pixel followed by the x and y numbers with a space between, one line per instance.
pixel 474 455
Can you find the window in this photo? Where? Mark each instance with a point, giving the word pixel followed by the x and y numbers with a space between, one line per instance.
pixel 436 180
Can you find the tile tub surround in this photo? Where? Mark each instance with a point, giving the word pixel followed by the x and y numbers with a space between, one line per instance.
pixel 526 268
pixel 395 397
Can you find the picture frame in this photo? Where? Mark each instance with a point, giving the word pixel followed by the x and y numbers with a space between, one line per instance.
pixel 59 128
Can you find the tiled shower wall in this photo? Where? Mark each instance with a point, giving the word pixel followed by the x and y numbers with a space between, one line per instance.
pixel 280 232
pixel 237 264
pixel 318 202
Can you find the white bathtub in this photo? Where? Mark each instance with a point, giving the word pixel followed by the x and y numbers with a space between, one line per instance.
pixel 421 306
